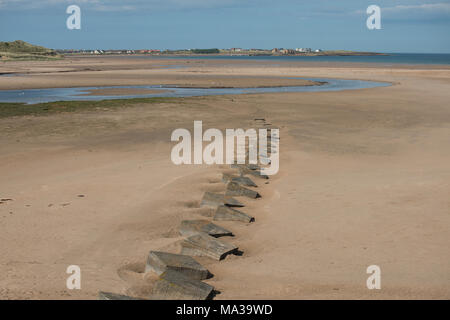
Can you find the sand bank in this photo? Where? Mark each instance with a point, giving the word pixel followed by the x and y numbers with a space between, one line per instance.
pixel 363 180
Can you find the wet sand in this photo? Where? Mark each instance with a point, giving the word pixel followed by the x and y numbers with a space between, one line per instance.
pixel 364 179
pixel 113 71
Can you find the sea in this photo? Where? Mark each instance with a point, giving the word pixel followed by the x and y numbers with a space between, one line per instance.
pixel 388 58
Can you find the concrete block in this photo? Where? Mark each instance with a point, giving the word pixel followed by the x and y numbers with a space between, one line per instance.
pixel 234 189
pixel 173 285
pixel 256 173
pixel 190 227
pixel 224 213
pixel 114 296
pixel 214 200
pixel 249 166
pixel 204 245
pixel 244 181
pixel 160 262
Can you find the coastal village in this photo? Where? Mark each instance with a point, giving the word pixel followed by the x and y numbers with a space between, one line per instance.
pixel 222 52
pixel 230 51
pixel 20 50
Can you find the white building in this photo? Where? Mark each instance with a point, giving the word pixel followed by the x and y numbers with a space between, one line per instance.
pixel 303 49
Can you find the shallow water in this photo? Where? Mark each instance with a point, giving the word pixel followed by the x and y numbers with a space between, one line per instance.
pixel 31 96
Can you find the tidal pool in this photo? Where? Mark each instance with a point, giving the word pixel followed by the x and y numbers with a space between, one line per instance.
pixel 31 96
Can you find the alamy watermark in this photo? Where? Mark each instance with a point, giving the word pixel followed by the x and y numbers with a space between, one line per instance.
pixel 374 20
pixel 74 280
pixel 74 20
pixel 374 280
pixel 252 146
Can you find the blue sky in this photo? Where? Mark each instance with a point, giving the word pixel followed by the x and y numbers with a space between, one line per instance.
pixel 407 26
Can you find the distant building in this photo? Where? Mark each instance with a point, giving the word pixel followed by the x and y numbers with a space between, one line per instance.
pixel 303 50
pixel 147 51
pixel 287 51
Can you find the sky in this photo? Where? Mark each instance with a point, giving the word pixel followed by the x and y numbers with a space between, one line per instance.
pixel 416 26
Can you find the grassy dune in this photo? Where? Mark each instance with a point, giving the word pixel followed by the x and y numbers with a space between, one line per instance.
pixel 21 50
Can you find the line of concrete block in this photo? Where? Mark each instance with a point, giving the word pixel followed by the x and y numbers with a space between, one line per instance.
pixel 180 275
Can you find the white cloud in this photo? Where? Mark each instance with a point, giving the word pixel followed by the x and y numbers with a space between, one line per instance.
pixel 429 7
pixel 319 8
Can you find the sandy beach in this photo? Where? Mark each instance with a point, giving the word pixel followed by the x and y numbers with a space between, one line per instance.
pixel 364 180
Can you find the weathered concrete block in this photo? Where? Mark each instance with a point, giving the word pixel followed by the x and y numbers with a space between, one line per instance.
pixel 211 199
pixel 249 166
pixel 245 181
pixel 204 245
pixel 190 227
pixel 173 285
pixel 114 296
pixel 160 262
pixel 234 189
pixel 224 213
pixel 256 173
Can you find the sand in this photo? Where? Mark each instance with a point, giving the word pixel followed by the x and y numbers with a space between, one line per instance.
pixel 364 179
pixel 113 71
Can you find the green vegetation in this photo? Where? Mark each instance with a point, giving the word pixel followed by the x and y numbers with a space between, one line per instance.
pixel 21 50
pixel 48 108
pixel 205 51
pixel 20 46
